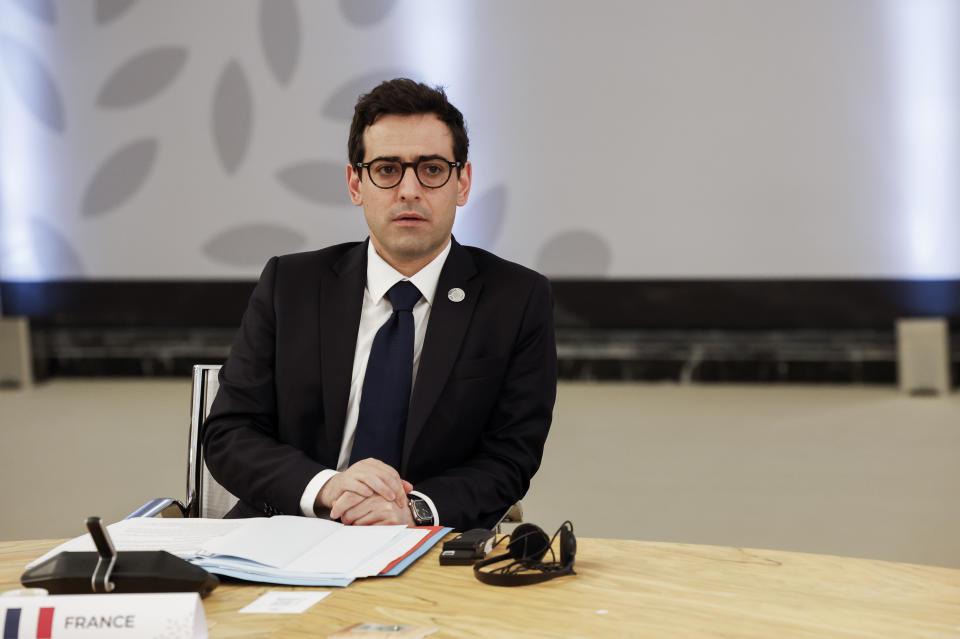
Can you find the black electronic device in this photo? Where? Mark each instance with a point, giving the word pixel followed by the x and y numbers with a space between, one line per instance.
pixel 458 557
pixel 467 547
pixel 479 540
pixel 76 573
pixel 526 549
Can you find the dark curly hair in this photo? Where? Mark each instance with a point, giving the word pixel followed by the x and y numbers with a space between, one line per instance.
pixel 403 96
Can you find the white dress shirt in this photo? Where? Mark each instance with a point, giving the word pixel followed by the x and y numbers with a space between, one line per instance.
pixel 375 312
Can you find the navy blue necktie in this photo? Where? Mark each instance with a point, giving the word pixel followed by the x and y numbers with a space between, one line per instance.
pixel 386 384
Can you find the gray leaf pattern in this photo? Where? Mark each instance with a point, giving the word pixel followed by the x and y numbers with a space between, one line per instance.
pixel 366 13
pixel 341 103
pixel 32 83
pixel 109 10
pixel 280 37
pixel 142 77
pixel 44 248
pixel 252 244
pixel 43 10
pixel 577 253
pixel 486 215
pixel 232 116
pixel 120 177
pixel 320 181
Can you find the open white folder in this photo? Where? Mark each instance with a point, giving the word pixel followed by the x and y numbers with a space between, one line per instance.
pixel 284 549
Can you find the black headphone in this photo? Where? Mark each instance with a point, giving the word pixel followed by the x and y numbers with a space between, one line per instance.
pixel 527 547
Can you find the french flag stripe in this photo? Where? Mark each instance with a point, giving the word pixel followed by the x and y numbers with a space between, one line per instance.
pixel 11 624
pixel 44 623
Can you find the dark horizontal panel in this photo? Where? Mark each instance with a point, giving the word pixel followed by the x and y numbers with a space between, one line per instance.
pixel 791 304
pixel 127 302
pixel 821 356
pixel 751 304
pixel 746 371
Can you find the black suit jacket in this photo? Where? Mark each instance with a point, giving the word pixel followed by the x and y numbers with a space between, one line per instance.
pixel 481 406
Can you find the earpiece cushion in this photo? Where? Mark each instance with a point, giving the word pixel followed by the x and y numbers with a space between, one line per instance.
pixel 528 542
pixel 568 546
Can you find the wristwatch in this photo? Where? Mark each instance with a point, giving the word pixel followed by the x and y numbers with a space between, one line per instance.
pixel 422 515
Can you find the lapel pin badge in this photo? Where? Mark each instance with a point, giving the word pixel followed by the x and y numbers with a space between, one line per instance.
pixel 456 295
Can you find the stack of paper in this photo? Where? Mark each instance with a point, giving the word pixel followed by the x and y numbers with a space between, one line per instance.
pixel 297 551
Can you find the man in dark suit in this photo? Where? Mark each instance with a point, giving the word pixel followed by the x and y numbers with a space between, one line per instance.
pixel 339 399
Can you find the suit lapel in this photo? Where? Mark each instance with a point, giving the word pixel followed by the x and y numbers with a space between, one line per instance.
pixel 341 300
pixel 447 325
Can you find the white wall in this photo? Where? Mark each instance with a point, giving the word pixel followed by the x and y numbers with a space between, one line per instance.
pixel 657 138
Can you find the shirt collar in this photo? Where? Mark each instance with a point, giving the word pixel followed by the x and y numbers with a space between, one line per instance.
pixel 381 276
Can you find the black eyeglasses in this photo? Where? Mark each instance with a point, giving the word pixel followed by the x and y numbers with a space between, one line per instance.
pixel 432 171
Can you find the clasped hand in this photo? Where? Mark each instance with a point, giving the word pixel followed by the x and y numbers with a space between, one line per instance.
pixel 369 492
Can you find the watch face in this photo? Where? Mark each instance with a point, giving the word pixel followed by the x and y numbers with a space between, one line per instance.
pixel 421 511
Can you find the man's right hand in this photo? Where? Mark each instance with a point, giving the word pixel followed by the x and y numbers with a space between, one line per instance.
pixel 365 478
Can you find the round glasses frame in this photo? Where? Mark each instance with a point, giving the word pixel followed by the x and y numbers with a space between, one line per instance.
pixel 403 170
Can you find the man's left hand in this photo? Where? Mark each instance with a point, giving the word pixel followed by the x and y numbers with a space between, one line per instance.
pixel 355 510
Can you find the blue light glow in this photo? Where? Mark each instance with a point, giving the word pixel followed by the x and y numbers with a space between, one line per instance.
pixel 927 74
pixel 437 40
pixel 22 185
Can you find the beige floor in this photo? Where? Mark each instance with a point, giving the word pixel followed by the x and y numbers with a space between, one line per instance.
pixel 846 470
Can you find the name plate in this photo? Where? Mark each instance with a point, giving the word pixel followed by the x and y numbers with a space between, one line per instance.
pixel 173 615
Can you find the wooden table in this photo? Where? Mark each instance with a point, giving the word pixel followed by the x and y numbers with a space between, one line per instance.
pixel 622 589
